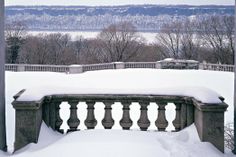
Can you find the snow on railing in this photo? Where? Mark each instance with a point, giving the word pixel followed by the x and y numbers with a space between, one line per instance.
pixel 216 67
pixel 103 66
pixel 208 118
pixel 141 65
pixel 36 67
pixel 164 64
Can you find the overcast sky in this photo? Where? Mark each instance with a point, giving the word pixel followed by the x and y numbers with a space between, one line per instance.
pixel 116 2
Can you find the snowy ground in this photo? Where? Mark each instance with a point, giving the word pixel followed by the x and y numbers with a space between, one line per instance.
pixel 116 142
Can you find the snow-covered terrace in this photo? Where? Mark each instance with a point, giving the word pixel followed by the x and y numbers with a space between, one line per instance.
pixel 116 142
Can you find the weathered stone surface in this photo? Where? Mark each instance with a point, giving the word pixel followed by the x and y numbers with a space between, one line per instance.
pixel 28 123
pixel 108 121
pixel 209 121
pixel 59 121
pixel 161 122
pixel 177 120
pixel 143 121
pixel 126 121
pixel 90 122
pixel 208 118
pixel 73 121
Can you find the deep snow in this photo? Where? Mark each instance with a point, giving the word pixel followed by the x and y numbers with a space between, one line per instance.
pixel 117 142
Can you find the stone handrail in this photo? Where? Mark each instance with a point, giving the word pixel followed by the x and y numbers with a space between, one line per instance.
pixel 216 67
pixel 208 118
pixel 165 64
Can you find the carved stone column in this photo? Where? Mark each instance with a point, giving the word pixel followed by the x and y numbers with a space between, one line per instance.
pixel 161 122
pixel 176 122
pixel 126 121
pixel 90 121
pixel 183 115
pixel 73 121
pixel 143 121
pixel 107 121
pixel 58 118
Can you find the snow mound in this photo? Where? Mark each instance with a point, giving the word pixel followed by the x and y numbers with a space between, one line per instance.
pixel 125 81
pixel 119 143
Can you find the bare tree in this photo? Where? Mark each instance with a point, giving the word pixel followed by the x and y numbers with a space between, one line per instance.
pixel 35 50
pixel 48 49
pixel 169 39
pixel 60 50
pixel 78 46
pixel 228 22
pixel 15 35
pixel 229 136
pixel 190 44
pixel 217 34
pixel 119 42
pixel 150 53
pixel 91 52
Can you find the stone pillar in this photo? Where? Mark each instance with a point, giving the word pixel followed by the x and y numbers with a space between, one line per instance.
pixel 158 65
pixel 3 145
pixel 20 67
pixel 209 121
pixel 119 65
pixel 75 69
pixel 28 122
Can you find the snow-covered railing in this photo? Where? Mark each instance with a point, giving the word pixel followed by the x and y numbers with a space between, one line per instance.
pixel 170 63
pixel 93 67
pixel 216 67
pixel 36 67
pixel 208 118
pixel 152 65
pixel 164 64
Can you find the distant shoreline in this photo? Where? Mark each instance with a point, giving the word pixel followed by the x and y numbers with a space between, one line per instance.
pixel 83 30
pixel 149 36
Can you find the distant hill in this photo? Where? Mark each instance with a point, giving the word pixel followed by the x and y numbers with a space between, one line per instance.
pixel 98 17
pixel 146 10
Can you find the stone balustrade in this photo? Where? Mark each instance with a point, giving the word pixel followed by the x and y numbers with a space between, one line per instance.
pixel 208 118
pixel 164 64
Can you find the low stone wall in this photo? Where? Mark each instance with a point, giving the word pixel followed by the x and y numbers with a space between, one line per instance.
pixel 208 118
pixel 164 64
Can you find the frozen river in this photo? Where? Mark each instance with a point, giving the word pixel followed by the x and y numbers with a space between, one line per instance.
pixel 150 37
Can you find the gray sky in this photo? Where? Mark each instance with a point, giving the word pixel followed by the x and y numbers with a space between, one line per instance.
pixel 116 2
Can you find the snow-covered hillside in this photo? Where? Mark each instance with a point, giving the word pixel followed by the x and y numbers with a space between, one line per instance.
pixel 94 18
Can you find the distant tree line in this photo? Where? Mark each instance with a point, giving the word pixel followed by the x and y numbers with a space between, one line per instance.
pixel 210 40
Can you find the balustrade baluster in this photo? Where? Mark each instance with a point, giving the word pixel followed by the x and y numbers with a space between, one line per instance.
pixel 46 112
pixel 190 114
pixel 107 121
pixel 90 121
pixel 176 122
pixel 73 121
pixel 52 115
pixel 183 116
pixel 143 121
pixel 58 118
pixel 161 122
pixel 126 122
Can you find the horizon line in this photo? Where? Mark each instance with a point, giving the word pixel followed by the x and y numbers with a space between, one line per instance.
pixel 31 5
